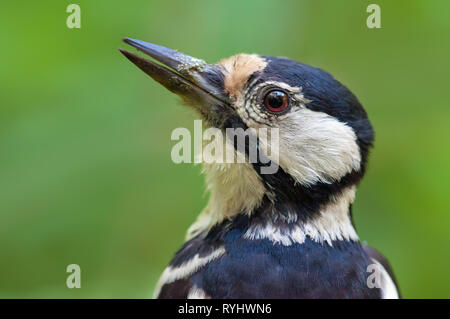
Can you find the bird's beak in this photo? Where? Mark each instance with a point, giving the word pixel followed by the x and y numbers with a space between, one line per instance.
pixel 199 84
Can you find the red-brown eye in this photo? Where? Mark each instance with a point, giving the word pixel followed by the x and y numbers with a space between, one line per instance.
pixel 276 101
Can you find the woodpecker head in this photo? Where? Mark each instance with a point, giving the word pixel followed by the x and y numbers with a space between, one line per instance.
pixel 324 132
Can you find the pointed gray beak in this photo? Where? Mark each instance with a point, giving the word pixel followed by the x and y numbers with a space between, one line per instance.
pixel 199 84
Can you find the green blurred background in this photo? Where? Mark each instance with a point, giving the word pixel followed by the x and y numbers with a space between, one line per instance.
pixel 85 169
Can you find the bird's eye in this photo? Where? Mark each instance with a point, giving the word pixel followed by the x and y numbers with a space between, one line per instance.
pixel 276 101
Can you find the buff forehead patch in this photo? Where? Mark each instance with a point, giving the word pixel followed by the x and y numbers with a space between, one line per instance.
pixel 237 70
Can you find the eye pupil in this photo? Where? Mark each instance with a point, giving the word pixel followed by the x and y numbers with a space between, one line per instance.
pixel 276 101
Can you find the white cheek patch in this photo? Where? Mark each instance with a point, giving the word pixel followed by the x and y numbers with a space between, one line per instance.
pixel 312 146
pixel 316 147
pixel 189 267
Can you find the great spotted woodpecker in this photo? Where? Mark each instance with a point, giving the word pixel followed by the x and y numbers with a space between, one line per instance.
pixel 289 233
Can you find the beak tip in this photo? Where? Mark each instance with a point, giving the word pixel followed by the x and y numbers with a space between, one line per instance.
pixel 127 40
pixel 124 52
pixel 131 57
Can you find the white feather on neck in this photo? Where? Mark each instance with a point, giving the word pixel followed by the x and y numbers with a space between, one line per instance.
pixel 332 223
